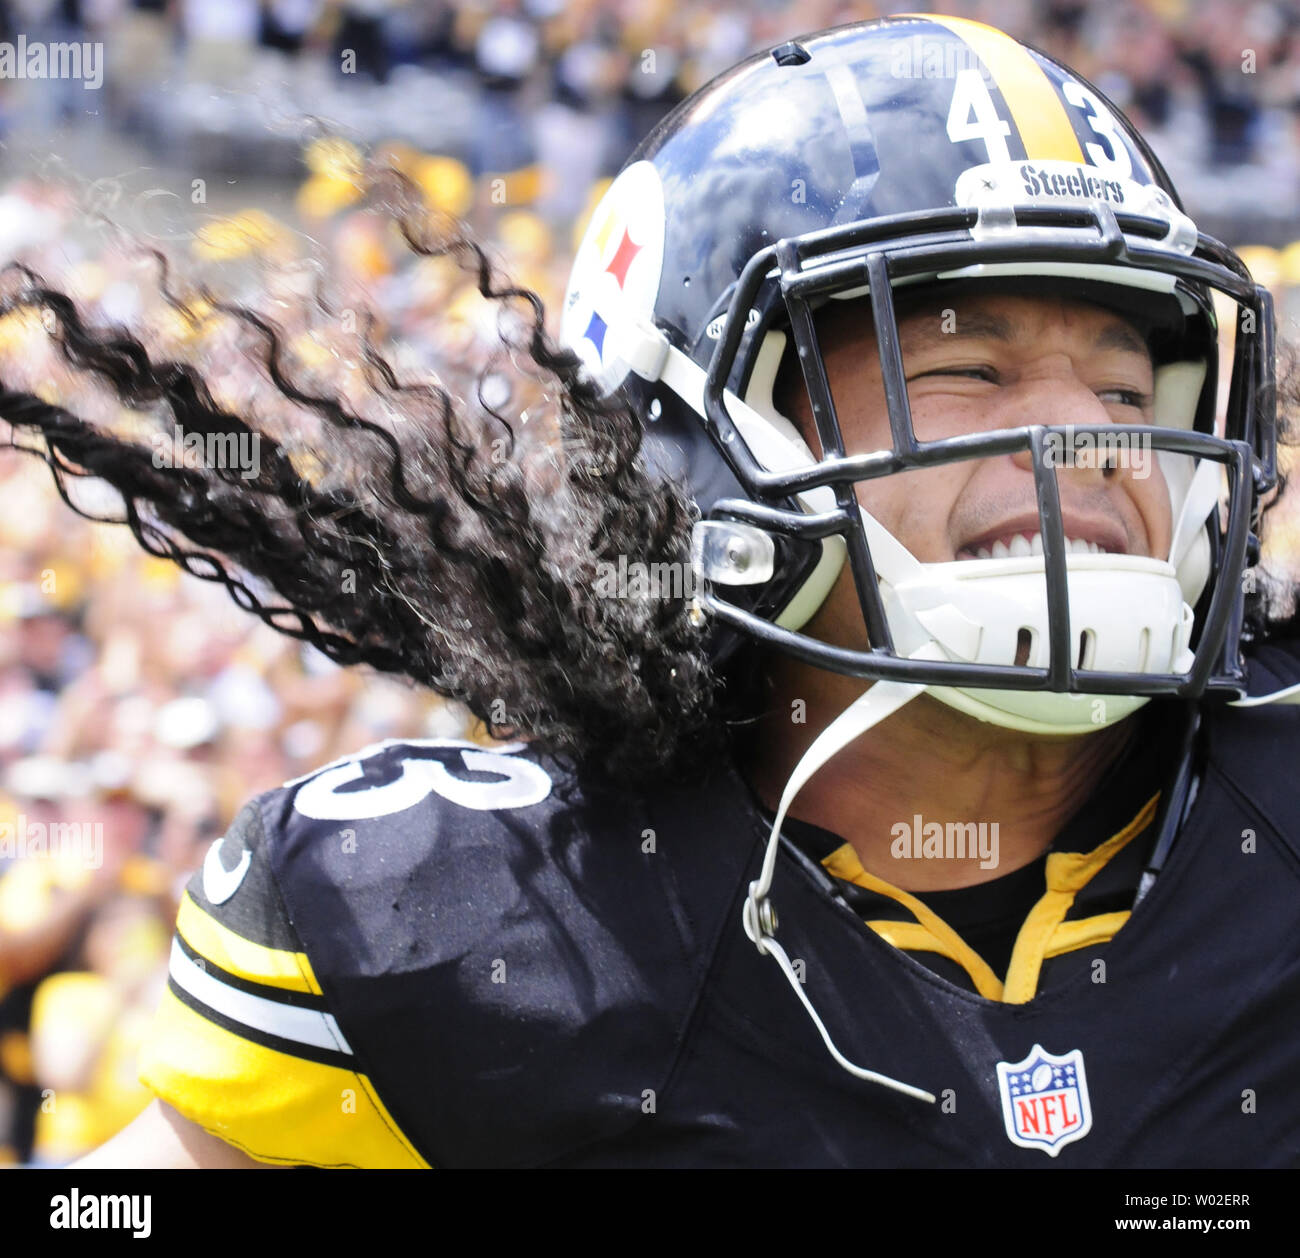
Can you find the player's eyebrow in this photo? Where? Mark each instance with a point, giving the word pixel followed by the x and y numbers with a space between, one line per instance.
pixel 1122 336
pixel 947 325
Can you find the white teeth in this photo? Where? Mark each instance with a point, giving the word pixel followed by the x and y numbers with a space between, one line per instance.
pixel 1021 547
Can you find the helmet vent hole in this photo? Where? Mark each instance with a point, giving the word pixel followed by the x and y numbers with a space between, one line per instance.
pixel 1024 646
pixel 1087 648
pixel 791 54
pixel 1144 650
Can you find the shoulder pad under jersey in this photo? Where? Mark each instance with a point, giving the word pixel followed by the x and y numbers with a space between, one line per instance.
pixel 486 926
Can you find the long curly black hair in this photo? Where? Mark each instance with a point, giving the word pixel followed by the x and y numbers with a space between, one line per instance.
pixel 428 531
pixel 424 527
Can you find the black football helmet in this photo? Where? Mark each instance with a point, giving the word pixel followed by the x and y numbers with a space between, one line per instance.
pixel 865 162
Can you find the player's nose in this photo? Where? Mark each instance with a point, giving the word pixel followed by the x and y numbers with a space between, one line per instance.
pixel 1064 403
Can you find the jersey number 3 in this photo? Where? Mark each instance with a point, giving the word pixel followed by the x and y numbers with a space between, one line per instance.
pixel 514 783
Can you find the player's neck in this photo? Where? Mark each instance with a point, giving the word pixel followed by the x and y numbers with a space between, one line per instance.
pixel 926 764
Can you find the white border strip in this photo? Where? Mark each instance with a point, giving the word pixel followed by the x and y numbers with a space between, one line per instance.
pixel 289 1022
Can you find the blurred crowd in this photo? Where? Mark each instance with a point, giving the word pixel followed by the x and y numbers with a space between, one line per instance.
pixel 139 707
pixel 564 88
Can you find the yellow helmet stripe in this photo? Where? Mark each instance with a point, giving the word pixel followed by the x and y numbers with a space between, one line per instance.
pixel 1036 109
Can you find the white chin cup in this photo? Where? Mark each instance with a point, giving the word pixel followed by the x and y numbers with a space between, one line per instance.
pixel 1127 614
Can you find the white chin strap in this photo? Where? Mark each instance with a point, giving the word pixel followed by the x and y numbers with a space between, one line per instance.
pixel 1290 695
pixel 882 700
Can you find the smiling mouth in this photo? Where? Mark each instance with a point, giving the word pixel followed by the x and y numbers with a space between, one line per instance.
pixel 1024 544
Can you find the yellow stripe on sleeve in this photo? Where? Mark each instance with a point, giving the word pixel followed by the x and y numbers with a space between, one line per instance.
pixel 275 1107
pixel 1036 109
pixel 239 956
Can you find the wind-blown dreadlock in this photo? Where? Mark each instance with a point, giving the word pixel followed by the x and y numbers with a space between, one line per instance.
pixel 391 522
pixel 410 525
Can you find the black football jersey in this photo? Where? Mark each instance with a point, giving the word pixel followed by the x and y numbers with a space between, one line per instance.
pixel 435 953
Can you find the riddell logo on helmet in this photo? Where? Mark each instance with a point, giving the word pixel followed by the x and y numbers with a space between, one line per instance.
pixel 714 329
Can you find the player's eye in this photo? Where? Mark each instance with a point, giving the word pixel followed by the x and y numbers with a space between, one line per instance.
pixel 973 372
pixel 1127 397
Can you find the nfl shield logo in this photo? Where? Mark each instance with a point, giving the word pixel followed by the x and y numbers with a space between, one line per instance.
pixel 1045 1100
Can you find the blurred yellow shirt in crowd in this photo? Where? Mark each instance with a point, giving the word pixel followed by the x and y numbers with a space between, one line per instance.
pixel 76 1004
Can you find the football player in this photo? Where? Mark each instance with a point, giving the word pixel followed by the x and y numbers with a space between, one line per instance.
pixel 918 319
